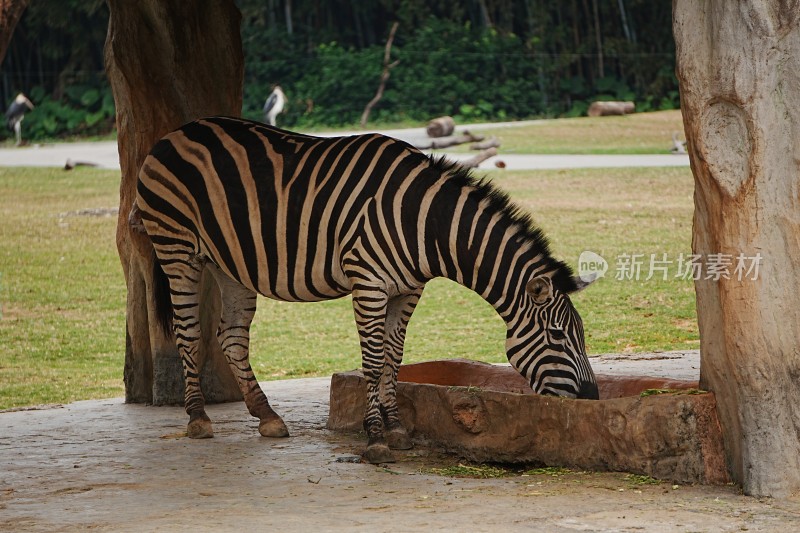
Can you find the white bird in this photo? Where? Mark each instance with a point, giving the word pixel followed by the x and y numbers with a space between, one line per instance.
pixel 15 113
pixel 274 105
pixel 678 146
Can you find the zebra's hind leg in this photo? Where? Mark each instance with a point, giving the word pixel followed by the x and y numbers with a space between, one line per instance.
pixel 184 287
pixel 238 309
pixel 398 313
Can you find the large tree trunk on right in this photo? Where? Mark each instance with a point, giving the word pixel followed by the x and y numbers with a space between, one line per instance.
pixel 738 64
pixel 168 62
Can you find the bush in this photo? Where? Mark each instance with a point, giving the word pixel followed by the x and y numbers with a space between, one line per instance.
pixel 83 110
pixel 445 68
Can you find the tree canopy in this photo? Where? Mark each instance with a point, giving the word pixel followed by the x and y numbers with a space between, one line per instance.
pixel 476 60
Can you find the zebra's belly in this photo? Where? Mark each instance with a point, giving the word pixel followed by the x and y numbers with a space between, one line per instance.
pixel 300 293
pixel 315 285
pixel 278 282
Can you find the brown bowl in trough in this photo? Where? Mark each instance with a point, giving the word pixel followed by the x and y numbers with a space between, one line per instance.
pixel 488 412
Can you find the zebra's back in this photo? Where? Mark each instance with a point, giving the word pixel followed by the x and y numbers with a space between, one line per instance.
pixel 276 211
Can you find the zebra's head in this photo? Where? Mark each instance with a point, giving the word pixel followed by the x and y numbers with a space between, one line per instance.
pixel 546 343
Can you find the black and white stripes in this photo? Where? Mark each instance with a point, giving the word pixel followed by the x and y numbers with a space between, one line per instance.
pixel 302 218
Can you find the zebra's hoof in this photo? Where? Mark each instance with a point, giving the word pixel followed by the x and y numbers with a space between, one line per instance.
pixel 274 428
pixel 200 428
pixel 398 439
pixel 378 453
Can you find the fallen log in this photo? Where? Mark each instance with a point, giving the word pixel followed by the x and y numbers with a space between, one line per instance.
pixel 491 142
pixel 441 127
pixel 70 164
pixel 479 158
pixel 603 109
pixel 452 140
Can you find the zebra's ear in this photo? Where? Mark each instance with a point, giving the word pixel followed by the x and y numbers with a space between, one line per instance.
pixel 540 289
pixel 584 280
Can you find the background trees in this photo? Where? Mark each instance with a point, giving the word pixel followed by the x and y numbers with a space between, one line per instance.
pixel 480 59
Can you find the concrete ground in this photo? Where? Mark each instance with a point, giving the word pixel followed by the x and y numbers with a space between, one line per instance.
pixel 107 466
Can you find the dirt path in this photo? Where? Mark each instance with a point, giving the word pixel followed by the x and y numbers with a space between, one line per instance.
pixel 107 466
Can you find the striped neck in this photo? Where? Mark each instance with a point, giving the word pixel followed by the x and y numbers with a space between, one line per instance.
pixel 481 245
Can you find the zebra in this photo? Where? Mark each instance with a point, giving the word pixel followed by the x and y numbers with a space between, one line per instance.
pixel 301 218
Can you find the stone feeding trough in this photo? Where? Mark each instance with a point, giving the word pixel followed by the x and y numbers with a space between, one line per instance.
pixel 488 413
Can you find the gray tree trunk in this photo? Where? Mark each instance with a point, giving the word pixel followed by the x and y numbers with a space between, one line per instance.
pixel 738 64
pixel 168 62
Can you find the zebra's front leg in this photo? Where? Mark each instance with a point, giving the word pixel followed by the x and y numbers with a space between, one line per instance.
pixel 398 313
pixel 238 309
pixel 369 306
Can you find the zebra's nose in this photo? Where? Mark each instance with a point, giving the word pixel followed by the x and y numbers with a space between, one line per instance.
pixel 588 391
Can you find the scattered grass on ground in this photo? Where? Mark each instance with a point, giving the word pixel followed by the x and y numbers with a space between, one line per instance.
pixel 541 476
pixel 479 471
pixel 552 471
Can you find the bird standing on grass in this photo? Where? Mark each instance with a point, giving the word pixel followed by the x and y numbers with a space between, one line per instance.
pixel 274 105
pixel 15 113
pixel 678 146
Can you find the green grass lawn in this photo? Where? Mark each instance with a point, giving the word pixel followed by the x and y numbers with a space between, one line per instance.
pixel 639 133
pixel 62 293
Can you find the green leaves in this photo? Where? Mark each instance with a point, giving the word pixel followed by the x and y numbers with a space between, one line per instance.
pixel 82 110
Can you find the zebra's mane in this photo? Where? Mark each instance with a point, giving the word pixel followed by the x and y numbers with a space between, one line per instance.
pixel 499 201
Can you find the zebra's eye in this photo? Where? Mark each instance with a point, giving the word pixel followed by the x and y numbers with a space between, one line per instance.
pixel 557 334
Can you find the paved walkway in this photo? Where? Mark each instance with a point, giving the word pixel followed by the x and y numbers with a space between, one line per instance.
pixel 104 154
pixel 107 466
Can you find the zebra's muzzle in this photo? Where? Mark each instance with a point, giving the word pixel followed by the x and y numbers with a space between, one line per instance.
pixel 588 391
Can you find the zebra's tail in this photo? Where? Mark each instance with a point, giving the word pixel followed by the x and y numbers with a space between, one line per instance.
pixel 161 297
pixel 161 294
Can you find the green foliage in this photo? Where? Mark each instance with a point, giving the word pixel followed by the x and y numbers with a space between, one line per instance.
pixel 445 67
pixel 507 60
pixel 82 110
pixel 56 59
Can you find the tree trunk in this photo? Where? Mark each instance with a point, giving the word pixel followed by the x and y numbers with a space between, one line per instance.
pixel 10 13
pixel 601 71
pixel 287 11
pixel 387 67
pixel 738 65
pixel 168 62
